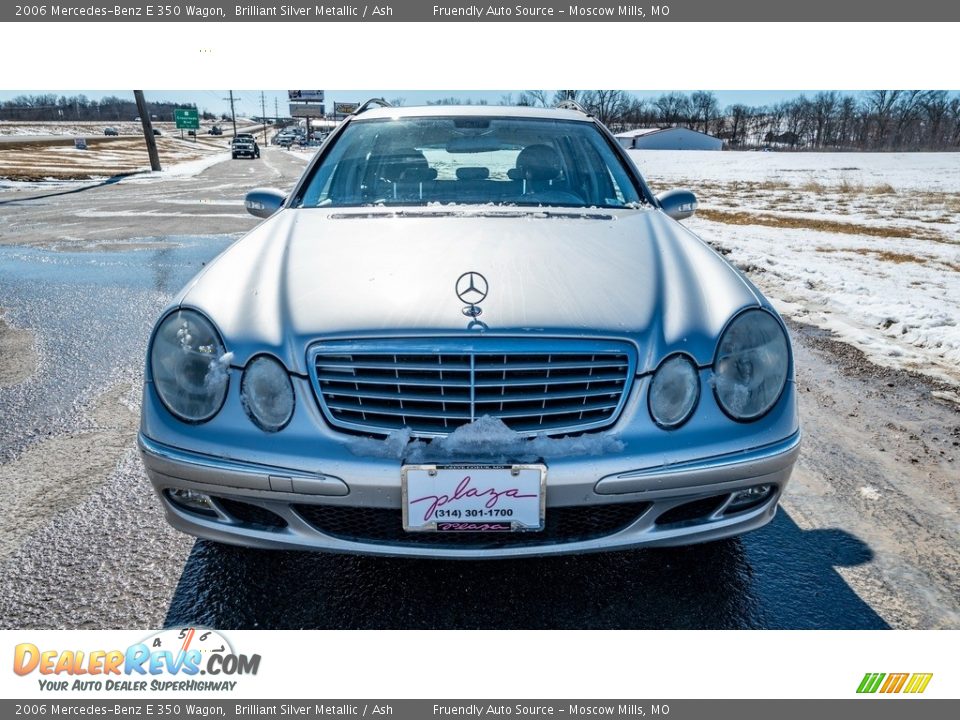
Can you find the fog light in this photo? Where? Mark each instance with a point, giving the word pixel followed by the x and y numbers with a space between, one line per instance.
pixel 750 497
pixel 191 500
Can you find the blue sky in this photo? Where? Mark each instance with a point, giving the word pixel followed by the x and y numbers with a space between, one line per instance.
pixel 248 101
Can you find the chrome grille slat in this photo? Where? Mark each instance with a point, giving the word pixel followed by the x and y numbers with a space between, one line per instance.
pixel 559 380
pixel 480 367
pixel 535 385
pixel 404 412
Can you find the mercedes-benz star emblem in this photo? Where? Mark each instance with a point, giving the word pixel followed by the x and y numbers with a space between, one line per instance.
pixel 472 288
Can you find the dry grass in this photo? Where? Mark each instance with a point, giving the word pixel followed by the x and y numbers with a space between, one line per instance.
pixel 769 185
pixel 891 256
pixel 831 226
pixel 848 187
pixel 885 255
pixel 102 159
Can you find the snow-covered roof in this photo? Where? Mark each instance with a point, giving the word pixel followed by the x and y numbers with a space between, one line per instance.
pixel 640 131
pixel 650 131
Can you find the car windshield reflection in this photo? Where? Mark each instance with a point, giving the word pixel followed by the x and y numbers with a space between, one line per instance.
pixel 429 161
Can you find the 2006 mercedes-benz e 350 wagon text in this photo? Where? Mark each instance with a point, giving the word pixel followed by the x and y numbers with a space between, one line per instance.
pixel 466 333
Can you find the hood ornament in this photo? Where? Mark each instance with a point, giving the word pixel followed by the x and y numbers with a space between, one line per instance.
pixel 472 288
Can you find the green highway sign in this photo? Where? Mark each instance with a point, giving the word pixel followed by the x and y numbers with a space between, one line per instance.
pixel 186 119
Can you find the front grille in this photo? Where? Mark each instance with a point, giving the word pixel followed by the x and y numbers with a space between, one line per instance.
pixel 385 526
pixel 435 386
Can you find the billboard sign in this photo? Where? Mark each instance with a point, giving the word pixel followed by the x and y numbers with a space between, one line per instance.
pixel 306 110
pixel 305 95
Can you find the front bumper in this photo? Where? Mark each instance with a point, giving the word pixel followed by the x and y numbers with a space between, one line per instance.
pixel 266 506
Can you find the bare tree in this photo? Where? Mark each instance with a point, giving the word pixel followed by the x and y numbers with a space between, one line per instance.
pixel 536 98
pixel 705 109
pixel 560 95
pixel 674 108
pixel 606 105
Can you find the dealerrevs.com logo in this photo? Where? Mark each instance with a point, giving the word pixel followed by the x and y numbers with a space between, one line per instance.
pixel 170 660
pixel 911 683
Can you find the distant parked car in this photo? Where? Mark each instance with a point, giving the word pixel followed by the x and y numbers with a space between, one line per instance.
pixel 216 130
pixel 192 133
pixel 157 132
pixel 110 131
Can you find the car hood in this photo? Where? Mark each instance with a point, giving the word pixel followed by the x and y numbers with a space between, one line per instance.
pixel 310 273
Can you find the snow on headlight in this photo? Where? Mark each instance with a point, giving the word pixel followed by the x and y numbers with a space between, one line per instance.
pixel 188 365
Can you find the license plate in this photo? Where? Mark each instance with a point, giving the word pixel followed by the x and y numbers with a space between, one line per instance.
pixel 473 498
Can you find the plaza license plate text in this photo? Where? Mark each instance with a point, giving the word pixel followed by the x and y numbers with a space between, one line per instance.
pixel 473 498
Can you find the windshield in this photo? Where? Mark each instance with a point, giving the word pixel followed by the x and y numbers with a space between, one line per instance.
pixel 470 160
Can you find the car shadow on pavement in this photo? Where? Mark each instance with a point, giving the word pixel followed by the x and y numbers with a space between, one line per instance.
pixel 776 577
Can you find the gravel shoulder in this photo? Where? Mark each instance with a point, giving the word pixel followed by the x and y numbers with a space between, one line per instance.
pixel 880 459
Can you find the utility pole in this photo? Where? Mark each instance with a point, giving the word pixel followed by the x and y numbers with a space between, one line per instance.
pixel 233 114
pixel 276 110
pixel 263 112
pixel 147 130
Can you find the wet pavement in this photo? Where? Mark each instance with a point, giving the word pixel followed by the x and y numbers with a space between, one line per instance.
pixel 92 312
pixel 86 544
pixel 778 577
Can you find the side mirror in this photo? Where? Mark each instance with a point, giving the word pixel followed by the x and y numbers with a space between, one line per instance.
pixel 264 202
pixel 678 204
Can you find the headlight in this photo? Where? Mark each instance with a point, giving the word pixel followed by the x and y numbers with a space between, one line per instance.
pixel 267 393
pixel 189 366
pixel 674 391
pixel 751 366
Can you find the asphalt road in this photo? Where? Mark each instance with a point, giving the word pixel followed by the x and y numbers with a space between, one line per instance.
pixel 867 536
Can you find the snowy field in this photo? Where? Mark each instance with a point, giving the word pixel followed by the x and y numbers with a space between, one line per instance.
pixel 865 245
pixel 78 128
pixel 32 163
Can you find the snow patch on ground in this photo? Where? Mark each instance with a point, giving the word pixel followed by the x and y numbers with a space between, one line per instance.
pixel 181 170
pixel 304 155
pixel 486 438
pixel 939 171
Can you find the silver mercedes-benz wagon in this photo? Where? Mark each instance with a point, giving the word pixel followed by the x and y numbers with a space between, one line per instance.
pixel 469 332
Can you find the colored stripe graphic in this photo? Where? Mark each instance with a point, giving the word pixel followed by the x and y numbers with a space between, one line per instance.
pixel 870 682
pixel 894 683
pixel 918 682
